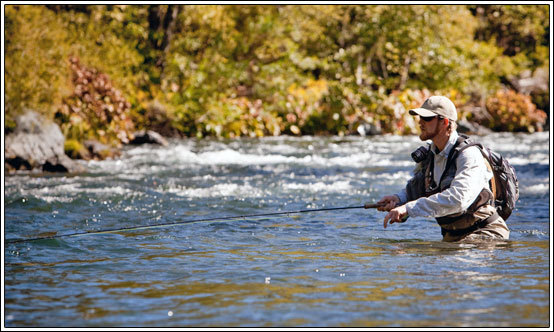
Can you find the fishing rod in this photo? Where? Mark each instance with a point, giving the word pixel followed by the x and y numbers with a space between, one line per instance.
pixel 365 206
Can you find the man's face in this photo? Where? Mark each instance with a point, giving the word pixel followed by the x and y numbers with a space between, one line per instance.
pixel 429 127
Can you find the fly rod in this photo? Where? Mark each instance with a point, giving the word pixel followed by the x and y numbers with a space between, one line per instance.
pixel 365 206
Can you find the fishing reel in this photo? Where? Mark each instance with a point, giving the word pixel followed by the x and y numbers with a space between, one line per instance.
pixel 420 154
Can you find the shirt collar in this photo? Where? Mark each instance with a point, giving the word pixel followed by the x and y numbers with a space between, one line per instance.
pixel 449 145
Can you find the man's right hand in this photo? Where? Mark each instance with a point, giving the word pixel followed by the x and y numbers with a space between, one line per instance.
pixel 388 203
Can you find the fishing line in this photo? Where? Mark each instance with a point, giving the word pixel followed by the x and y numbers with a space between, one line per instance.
pixel 365 206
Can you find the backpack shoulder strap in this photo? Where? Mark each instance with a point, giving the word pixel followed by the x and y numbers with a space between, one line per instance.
pixel 471 143
pixel 493 179
pixel 461 143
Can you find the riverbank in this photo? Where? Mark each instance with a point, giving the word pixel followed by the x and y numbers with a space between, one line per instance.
pixel 38 144
pixel 107 71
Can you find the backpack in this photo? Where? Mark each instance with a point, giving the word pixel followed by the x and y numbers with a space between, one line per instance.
pixel 505 179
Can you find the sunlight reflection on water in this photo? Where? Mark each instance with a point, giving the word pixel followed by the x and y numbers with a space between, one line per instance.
pixel 326 269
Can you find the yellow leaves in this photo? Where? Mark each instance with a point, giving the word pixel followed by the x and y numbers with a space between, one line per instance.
pixel 304 102
pixel 34 45
pixel 346 62
pixel 239 116
pixel 74 149
pixel 311 92
pixel 141 95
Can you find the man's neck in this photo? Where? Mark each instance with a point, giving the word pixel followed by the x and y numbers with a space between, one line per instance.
pixel 440 141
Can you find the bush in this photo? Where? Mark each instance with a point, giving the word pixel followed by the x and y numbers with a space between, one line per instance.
pixel 35 51
pixel 234 117
pixel 512 111
pixel 76 150
pixel 95 110
pixel 257 70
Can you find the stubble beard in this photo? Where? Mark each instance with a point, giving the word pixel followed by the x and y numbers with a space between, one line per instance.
pixel 425 135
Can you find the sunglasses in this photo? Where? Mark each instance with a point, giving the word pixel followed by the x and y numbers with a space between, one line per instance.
pixel 430 118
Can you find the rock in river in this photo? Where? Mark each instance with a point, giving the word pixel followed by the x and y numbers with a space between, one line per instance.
pixel 148 137
pixel 37 143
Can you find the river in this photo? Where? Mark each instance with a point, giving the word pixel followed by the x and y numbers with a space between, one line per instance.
pixel 317 269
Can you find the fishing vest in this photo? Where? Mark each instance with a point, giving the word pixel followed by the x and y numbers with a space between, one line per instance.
pixel 423 185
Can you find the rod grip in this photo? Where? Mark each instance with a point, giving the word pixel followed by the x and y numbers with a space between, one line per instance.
pixel 372 205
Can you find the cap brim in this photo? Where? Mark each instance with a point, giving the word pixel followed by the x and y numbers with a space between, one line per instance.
pixel 422 112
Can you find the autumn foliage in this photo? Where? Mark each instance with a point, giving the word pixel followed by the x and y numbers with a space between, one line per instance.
pixel 95 109
pixel 512 111
pixel 260 70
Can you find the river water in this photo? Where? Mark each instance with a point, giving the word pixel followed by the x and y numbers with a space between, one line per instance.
pixel 317 269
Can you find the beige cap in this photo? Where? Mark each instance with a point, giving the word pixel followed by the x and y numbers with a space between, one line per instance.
pixel 437 105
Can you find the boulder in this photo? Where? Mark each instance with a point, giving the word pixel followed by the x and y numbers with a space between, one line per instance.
pixel 148 137
pixel 37 143
pixel 369 129
pixel 99 151
pixel 528 82
pixel 472 128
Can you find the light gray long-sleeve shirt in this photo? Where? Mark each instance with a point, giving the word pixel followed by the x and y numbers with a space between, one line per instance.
pixel 472 175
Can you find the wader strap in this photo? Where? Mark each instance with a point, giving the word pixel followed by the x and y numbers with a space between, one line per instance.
pixel 484 197
pixel 481 224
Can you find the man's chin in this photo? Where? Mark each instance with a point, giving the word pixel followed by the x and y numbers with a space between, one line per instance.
pixel 425 136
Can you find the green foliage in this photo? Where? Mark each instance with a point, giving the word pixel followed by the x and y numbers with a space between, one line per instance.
pixel 106 37
pixel 515 28
pixel 74 149
pixel 36 76
pixel 9 124
pixel 257 70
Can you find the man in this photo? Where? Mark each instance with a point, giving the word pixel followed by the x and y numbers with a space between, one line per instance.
pixel 457 191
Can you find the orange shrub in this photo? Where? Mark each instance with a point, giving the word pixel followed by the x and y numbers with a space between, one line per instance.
pixel 512 111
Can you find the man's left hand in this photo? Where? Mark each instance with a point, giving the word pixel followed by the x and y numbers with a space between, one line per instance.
pixel 395 215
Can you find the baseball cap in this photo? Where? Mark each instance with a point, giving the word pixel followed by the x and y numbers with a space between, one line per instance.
pixel 437 105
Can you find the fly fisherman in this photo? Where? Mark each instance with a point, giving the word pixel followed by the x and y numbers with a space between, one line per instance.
pixel 458 196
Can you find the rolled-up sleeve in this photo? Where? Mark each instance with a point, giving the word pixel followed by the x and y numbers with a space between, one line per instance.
pixel 472 175
pixel 402 196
